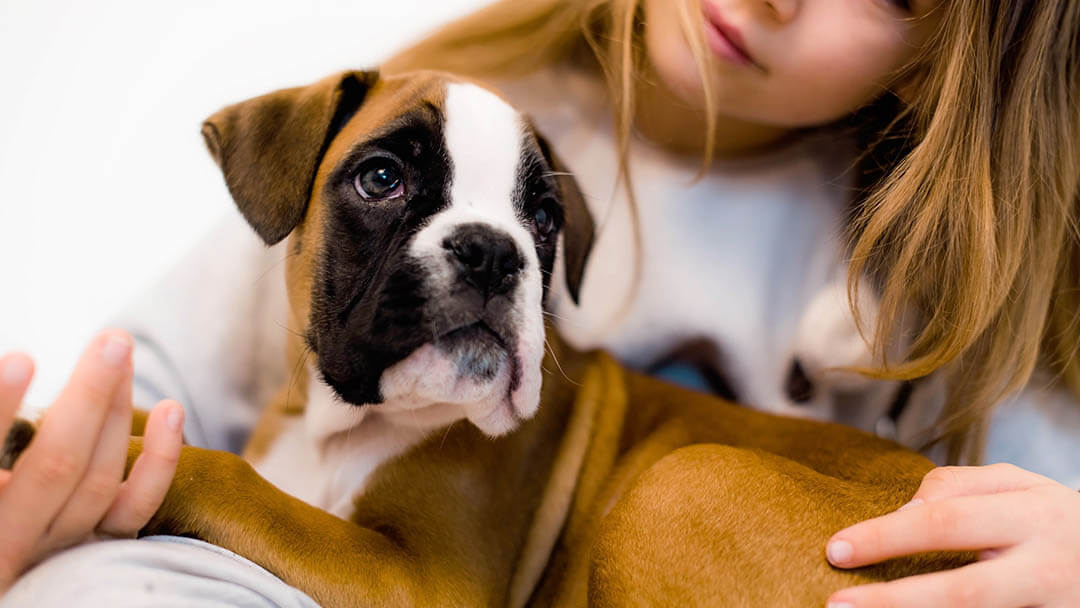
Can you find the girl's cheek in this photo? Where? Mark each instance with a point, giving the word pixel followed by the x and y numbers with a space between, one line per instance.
pixel 836 84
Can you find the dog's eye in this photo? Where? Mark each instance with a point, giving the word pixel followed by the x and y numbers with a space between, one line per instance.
pixel 379 178
pixel 545 220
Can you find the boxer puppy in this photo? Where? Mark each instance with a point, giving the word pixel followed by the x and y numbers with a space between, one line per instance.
pixel 418 270
pixel 424 217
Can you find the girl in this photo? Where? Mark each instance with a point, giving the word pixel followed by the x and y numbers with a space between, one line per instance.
pixel 939 138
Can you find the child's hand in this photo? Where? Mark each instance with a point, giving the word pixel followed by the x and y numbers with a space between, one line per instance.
pixel 1027 528
pixel 68 483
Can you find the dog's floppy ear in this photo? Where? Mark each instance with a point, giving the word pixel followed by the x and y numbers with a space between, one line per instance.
pixel 269 147
pixel 578 228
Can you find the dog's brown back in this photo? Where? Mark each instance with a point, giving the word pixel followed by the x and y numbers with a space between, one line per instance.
pixel 628 490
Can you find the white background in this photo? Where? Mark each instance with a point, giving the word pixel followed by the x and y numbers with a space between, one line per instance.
pixel 104 181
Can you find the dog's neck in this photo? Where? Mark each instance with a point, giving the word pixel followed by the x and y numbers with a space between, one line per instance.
pixel 326 456
pixel 328 419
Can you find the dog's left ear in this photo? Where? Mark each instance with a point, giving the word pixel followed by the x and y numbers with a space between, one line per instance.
pixel 578 228
pixel 270 147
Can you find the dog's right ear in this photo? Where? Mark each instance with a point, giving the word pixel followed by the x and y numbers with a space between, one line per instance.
pixel 270 147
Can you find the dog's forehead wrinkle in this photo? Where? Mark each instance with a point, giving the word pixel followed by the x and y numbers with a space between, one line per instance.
pixel 409 129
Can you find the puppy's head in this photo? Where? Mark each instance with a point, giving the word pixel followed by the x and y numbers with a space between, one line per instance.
pixel 424 215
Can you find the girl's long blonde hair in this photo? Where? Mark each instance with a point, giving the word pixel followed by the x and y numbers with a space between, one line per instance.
pixel 971 223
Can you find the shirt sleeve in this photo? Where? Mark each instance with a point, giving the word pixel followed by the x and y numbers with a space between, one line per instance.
pixel 211 335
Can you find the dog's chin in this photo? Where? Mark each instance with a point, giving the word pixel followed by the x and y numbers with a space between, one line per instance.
pixel 479 352
pixel 493 385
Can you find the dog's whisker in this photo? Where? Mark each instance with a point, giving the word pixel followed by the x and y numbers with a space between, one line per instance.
pixel 566 321
pixel 294 377
pixel 348 433
pixel 554 316
pixel 275 266
pixel 555 358
pixel 446 434
pixel 290 331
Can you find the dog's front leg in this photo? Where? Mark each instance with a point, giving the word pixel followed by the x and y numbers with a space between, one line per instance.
pixel 219 498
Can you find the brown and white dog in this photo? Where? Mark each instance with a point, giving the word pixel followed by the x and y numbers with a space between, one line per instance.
pixel 424 215
pixel 418 273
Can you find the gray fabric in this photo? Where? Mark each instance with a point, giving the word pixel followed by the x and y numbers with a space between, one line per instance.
pixel 159 571
pixel 211 334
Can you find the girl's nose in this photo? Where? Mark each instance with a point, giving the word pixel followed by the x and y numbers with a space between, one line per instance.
pixel 782 10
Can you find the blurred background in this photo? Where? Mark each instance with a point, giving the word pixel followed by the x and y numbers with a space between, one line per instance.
pixel 104 181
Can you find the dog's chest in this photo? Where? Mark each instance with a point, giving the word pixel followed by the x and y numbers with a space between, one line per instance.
pixel 330 478
pixel 326 456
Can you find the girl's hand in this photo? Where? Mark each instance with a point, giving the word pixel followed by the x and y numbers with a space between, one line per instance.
pixel 69 481
pixel 1025 526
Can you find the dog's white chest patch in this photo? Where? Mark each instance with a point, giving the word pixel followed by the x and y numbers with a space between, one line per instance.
pixel 326 457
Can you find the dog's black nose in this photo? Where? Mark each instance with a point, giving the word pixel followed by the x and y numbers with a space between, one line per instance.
pixel 486 259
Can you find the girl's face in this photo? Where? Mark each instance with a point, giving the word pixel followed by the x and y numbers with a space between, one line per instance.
pixel 788 63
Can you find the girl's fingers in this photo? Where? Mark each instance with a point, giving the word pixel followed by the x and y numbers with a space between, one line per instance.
pixel 16 369
pixel 99 484
pixel 999 583
pixel 141 495
pixel 948 482
pixel 966 523
pixel 46 473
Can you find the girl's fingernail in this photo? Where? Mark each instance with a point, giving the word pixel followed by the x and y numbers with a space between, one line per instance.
pixel 16 372
pixel 839 551
pixel 116 350
pixel 913 503
pixel 840 605
pixel 175 418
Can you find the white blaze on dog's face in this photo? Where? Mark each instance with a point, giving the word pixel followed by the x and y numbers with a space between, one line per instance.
pixel 480 257
pixel 423 235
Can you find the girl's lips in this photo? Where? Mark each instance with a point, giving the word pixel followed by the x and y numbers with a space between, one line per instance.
pixel 724 39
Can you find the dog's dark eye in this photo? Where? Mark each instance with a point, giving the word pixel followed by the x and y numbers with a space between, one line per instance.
pixel 379 178
pixel 545 220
